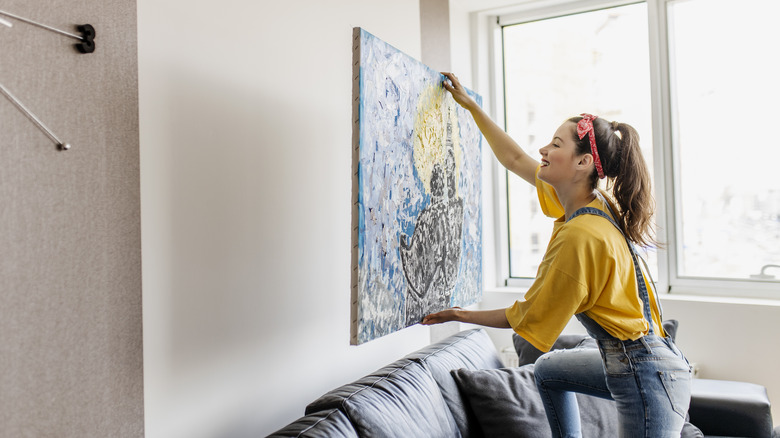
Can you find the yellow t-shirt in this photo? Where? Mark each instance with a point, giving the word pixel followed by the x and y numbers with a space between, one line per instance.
pixel 587 268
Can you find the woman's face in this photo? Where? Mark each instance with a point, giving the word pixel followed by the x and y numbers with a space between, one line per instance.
pixel 560 161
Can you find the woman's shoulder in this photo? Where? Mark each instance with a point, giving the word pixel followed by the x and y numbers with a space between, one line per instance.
pixel 585 227
pixel 591 227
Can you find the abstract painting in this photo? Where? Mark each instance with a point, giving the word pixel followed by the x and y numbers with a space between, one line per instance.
pixel 417 186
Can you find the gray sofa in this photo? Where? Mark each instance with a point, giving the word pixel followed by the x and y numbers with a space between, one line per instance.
pixel 459 388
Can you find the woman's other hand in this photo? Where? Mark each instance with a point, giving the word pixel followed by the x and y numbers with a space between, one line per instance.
pixel 488 318
pixel 443 316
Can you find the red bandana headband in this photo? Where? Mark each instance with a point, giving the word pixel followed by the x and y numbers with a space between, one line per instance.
pixel 585 126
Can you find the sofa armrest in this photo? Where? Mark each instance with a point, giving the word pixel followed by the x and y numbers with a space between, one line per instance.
pixel 726 408
pixel 324 424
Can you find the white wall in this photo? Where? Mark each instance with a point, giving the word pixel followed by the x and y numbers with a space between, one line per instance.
pixel 245 118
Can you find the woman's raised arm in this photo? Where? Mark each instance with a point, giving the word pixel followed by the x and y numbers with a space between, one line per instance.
pixel 508 152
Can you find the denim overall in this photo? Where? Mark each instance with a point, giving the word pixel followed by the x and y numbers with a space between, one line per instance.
pixel 649 378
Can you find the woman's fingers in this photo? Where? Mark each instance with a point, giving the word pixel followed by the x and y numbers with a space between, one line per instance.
pixel 453 81
pixel 440 317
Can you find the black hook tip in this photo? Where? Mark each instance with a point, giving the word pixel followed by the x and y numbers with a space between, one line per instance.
pixel 88 38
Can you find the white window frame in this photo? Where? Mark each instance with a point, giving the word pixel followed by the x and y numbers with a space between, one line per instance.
pixel 488 26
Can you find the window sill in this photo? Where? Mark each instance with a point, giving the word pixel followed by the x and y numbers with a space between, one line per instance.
pixel 721 300
pixel 514 290
pixel 506 290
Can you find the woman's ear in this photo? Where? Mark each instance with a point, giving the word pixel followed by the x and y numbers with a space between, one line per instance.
pixel 586 160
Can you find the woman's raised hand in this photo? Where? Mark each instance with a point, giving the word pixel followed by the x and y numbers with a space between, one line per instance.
pixel 458 92
pixel 509 154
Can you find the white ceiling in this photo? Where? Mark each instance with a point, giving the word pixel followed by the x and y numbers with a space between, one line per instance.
pixel 483 5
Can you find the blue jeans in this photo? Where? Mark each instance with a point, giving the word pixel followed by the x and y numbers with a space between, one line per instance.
pixel 649 379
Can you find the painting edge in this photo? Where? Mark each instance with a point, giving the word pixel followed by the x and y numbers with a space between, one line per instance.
pixel 354 317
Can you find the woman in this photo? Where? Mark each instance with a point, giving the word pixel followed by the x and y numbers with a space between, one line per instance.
pixel 591 271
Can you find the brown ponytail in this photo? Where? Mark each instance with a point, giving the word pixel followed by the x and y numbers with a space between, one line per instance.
pixel 627 175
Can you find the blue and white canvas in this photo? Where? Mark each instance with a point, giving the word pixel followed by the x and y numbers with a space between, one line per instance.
pixel 418 195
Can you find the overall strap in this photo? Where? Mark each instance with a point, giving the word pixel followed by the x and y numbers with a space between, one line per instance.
pixel 643 294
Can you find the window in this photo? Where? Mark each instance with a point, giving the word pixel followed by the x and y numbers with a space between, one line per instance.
pixel 682 72
pixel 725 93
pixel 594 62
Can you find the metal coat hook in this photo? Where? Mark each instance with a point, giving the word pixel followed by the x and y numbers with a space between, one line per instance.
pixel 87 37
pixel 60 144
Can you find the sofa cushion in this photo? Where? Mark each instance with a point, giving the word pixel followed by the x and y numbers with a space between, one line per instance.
pixel 527 353
pixel 726 408
pixel 507 404
pixel 335 398
pixel 324 424
pixel 472 350
pixel 404 402
pixel 691 431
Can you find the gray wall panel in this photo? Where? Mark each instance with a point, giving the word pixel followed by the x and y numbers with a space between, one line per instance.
pixel 71 359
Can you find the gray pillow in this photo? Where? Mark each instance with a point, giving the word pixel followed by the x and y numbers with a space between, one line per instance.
pixel 506 403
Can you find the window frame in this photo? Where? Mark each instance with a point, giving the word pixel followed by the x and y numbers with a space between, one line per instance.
pixel 665 145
